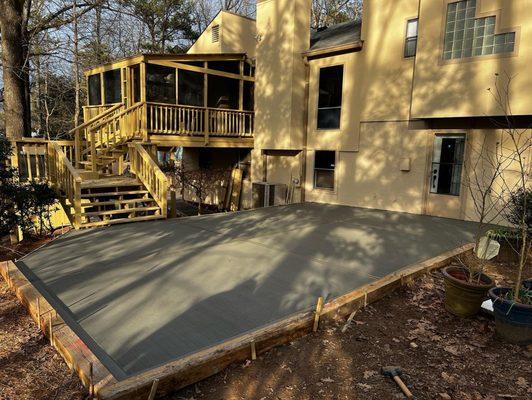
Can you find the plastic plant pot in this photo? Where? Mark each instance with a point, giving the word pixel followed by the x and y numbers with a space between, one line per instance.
pixel 513 321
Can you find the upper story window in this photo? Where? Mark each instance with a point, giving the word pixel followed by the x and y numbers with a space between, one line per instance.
pixel 447 162
pixel 95 90
pixel 411 38
pixel 113 86
pixel 216 33
pixel 467 36
pixel 330 97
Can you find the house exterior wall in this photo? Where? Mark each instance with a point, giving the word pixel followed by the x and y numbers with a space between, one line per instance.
pixel 237 35
pixel 283 28
pixel 458 88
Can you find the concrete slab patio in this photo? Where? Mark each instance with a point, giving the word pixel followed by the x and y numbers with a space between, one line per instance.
pixel 141 295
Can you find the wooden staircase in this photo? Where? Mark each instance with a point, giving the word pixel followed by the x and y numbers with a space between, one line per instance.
pixel 113 179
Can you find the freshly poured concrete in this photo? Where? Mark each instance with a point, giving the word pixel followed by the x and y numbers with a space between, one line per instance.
pixel 141 295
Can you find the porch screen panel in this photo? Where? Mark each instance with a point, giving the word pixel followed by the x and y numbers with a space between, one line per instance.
pixel 95 90
pixel 190 88
pixel 136 83
pixel 249 96
pixel 160 84
pixel 223 92
pixel 113 86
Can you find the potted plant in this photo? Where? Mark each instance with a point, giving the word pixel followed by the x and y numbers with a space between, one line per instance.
pixel 512 307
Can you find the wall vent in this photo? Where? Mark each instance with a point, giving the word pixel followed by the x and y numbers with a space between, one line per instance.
pixel 216 33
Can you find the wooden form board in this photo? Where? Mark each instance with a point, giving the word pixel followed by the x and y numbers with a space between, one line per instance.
pixel 191 369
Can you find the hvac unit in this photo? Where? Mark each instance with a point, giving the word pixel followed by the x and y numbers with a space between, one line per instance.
pixel 268 194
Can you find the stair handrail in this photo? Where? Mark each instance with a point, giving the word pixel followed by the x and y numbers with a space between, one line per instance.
pixel 65 178
pixel 149 173
pixel 127 128
pixel 78 130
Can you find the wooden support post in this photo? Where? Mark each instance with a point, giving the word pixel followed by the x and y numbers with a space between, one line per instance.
pixel 91 379
pixel 153 389
pixel 173 204
pixel 77 204
pixel 8 276
pixel 39 313
pixel 51 329
pixel 319 307
pixel 77 148
pixel 253 351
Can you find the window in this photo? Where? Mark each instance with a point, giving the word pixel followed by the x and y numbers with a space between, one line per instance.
pixel 447 164
pixel 467 36
pixel 160 84
pixel 95 90
pixel 411 38
pixel 330 97
pixel 113 86
pixel 216 33
pixel 190 88
pixel 324 165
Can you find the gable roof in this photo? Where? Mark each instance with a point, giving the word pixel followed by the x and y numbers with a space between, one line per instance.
pixel 335 35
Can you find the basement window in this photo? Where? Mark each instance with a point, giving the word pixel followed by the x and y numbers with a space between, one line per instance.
pixel 324 166
pixel 447 164
pixel 411 38
pixel 216 33
pixel 330 97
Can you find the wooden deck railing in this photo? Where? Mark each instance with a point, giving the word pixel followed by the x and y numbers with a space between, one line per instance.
pixel 168 119
pixel 64 178
pixel 29 156
pixel 149 173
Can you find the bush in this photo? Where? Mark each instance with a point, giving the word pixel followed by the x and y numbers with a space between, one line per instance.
pixel 519 204
pixel 28 205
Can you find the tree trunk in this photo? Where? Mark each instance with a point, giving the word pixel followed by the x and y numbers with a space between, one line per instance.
pixel 77 85
pixel 15 68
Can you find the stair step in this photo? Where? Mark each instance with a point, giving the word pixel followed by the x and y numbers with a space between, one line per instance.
pixel 112 194
pixel 121 211
pixel 121 221
pixel 118 202
pixel 118 181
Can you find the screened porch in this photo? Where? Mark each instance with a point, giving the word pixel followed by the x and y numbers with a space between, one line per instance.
pixel 183 95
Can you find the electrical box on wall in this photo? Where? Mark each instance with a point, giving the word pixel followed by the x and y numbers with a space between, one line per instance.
pixel 405 164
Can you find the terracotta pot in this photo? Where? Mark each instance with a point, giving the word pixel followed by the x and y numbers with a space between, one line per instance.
pixel 464 298
pixel 513 321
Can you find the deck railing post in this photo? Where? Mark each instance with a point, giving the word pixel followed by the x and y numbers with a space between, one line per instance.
pixel 77 148
pixel 206 126
pixel 93 152
pixel 77 203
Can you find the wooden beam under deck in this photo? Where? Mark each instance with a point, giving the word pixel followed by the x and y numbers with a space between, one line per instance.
pixel 199 141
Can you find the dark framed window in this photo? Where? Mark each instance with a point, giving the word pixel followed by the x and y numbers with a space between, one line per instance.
pixel 411 38
pixel 190 88
pixel 447 164
pixel 330 97
pixel 324 167
pixel 160 84
pixel 95 90
pixel 113 86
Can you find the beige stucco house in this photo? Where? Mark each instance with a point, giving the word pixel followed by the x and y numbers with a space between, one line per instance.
pixel 388 112
pixel 392 112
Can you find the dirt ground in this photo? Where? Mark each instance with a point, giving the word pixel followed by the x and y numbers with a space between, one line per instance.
pixel 443 357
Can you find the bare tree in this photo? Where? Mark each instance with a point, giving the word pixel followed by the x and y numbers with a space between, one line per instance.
pixel 518 144
pixel 330 12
